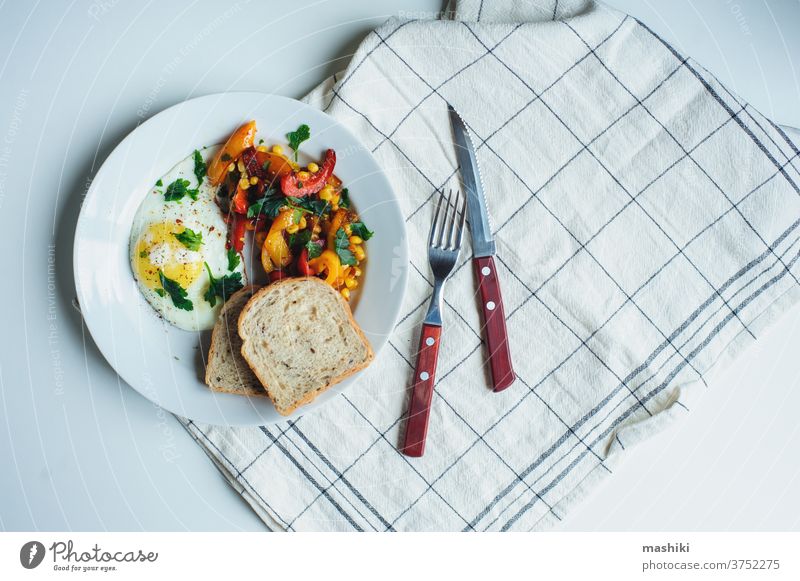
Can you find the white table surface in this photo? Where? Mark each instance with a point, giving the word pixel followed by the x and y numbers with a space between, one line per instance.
pixel 81 450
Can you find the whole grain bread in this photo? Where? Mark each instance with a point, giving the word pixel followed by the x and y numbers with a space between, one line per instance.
pixel 226 370
pixel 300 338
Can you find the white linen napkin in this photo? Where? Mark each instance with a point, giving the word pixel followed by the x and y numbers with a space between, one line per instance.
pixel 647 230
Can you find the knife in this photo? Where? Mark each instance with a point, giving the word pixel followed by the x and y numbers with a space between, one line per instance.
pixel 483 246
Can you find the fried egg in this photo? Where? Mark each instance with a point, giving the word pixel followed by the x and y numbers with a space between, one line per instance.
pixel 173 241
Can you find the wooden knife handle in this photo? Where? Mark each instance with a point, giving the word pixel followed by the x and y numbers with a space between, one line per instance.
pixel 494 323
pixel 419 410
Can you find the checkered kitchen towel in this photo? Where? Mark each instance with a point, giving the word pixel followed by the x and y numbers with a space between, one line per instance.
pixel 647 230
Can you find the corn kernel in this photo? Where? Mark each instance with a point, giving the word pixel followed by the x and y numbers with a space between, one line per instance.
pixel 303 222
pixel 292 228
pixel 356 272
pixel 356 240
pixel 277 149
pixel 317 229
pixel 261 148
pixel 240 166
pixel 231 166
pixel 359 252
pixel 244 183
pixel 346 293
pixel 350 282
pixel 253 180
pixel 334 206
pixel 326 194
pixel 303 175
pixel 313 167
pixel 348 230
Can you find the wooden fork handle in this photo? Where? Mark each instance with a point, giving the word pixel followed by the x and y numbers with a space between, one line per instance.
pixel 494 323
pixel 419 410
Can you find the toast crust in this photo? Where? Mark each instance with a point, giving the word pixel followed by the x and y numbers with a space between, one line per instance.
pixel 211 351
pixel 311 396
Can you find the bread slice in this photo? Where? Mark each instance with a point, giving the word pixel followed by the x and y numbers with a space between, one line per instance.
pixel 226 370
pixel 299 338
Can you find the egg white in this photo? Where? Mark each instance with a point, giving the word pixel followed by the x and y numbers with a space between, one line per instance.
pixel 159 216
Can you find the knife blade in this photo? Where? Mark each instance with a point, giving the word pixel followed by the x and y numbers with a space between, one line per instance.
pixel 484 249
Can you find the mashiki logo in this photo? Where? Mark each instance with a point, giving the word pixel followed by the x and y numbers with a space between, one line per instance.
pixel 31 554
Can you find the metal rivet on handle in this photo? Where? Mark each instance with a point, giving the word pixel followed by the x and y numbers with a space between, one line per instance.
pixel 490 305
pixel 424 376
pixel 486 271
pixel 430 341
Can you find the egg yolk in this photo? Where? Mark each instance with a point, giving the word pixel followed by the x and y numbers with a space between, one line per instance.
pixel 157 248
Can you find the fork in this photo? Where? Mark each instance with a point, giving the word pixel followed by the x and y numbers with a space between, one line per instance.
pixel 444 246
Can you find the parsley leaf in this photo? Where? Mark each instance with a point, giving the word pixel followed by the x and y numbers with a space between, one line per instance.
pixel 159 183
pixel 300 238
pixel 223 286
pixel 360 229
pixel 190 239
pixel 176 292
pixel 314 249
pixel 177 189
pixel 199 167
pixel 341 244
pixel 233 259
pixel 316 207
pixel 297 137
pixel 270 205
pixel 344 198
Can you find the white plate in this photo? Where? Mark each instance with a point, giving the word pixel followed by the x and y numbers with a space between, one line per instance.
pixel 163 363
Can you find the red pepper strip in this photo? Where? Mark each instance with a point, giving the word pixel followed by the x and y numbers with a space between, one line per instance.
pixel 302 264
pixel 277 275
pixel 240 203
pixel 237 228
pixel 293 187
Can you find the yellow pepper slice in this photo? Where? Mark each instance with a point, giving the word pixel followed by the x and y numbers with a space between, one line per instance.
pixel 275 244
pixel 329 262
pixel 240 140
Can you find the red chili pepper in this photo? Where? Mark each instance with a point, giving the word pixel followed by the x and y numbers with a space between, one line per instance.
pixel 240 203
pixel 302 264
pixel 277 275
pixel 293 187
pixel 236 231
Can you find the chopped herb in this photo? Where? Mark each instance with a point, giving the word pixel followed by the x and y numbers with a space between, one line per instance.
pixel 300 238
pixel 161 292
pixel 233 259
pixel 314 249
pixel 223 286
pixel 199 167
pixel 297 137
pixel 143 254
pixel 344 198
pixel 361 230
pixel 260 141
pixel 159 183
pixel 225 157
pixel 341 244
pixel 270 205
pixel 177 189
pixel 176 292
pixel 190 239
pixel 266 164
pixel 317 207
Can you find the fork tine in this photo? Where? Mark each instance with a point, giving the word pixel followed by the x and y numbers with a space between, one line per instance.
pixel 452 234
pixel 444 233
pixel 436 219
